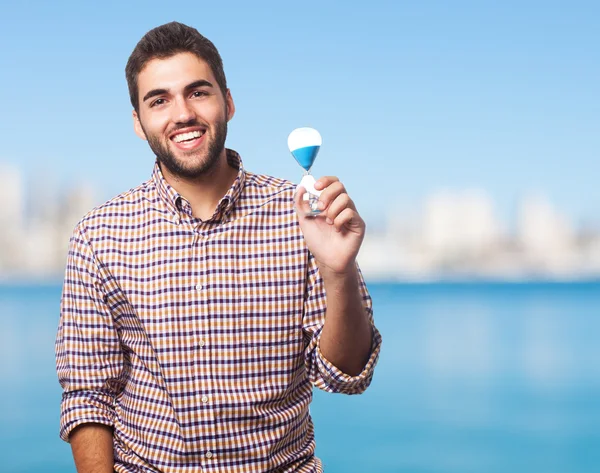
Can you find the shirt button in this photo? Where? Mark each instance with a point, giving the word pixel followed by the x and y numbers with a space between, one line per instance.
pixel 198 287
pixel 204 399
pixel 209 454
pixel 201 343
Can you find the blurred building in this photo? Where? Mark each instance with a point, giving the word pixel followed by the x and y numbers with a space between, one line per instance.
pixel 450 235
pixel 11 217
pixel 460 225
pixel 546 237
pixel 457 235
pixel 36 224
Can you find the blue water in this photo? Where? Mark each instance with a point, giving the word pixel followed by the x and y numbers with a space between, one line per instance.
pixel 472 378
pixel 306 156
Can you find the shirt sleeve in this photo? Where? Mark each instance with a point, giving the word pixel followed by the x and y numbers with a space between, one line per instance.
pixel 89 359
pixel 322 373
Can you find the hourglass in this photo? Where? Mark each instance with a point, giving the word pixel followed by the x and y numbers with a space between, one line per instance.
pixel 304 144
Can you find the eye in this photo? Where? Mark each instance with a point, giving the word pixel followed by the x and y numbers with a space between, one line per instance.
pixel 199 93
pixel 157 102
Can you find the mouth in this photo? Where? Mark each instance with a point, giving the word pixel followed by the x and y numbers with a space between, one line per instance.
pixel 189 138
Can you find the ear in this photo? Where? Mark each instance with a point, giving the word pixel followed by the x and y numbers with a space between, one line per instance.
pixel 137 126
pixel 230 105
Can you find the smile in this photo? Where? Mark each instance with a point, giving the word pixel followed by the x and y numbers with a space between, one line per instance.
pixel 192 135
pixel 188 140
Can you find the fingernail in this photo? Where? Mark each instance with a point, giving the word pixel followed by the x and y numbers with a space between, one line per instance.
pixel 321 205
pixel 329 221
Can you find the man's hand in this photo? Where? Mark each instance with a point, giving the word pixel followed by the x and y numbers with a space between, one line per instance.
pixel 334 237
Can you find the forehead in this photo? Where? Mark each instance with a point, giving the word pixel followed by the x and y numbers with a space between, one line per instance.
pixel 173 73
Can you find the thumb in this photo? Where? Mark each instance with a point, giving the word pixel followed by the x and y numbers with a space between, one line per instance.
pixel 299 203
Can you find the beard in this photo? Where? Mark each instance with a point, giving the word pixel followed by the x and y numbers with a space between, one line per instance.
pixel 177 166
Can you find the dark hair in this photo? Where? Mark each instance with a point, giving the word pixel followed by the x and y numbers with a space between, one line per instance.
pixel 165 41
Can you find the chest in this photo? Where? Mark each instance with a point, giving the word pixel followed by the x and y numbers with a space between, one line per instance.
pixel 240 284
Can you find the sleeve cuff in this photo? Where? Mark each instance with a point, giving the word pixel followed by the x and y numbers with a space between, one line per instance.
pixel 84 407
pixel 335 380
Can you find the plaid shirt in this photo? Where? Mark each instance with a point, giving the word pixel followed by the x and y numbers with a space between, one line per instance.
pixel 198 341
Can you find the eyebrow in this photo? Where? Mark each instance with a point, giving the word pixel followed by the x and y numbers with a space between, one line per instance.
pixel 193 85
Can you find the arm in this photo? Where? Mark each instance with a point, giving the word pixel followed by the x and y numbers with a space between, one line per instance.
pixel 326 367
pixel 92 446
pixel 89 359
pixel 347 334
pixel 338 311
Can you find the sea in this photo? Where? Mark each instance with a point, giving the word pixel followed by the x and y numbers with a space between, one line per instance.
pixel 472 377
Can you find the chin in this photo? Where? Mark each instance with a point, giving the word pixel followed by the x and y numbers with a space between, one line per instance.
pixel 196 168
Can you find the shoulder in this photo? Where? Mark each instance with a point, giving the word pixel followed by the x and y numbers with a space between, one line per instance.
pixel 265 196
pixel 267 187
pixel 120 209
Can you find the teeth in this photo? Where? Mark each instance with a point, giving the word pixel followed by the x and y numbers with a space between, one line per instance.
pixel 187 136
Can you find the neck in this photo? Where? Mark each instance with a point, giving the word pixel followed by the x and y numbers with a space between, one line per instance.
pixel 204 192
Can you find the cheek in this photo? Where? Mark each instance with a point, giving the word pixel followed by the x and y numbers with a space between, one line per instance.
pixel 157 126
pixel 216 113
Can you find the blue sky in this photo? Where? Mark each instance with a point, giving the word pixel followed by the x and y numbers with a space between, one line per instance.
pixel 410 97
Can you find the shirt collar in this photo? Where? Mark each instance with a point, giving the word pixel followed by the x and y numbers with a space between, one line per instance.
pixel 177 204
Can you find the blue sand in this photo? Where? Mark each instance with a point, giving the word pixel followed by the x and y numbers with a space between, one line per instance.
pixel 306 156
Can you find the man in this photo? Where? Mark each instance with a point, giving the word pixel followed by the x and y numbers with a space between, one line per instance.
pixel 199 308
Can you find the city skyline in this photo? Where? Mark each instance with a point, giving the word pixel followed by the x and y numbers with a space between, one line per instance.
pixel 450 235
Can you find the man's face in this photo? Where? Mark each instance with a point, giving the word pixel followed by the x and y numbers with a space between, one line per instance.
pixel 182 114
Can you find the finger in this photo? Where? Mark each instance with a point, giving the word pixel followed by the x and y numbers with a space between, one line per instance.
pixel 340 203
pixel 299 203
pixel 325 181
pixel 330 193
pixel 347 218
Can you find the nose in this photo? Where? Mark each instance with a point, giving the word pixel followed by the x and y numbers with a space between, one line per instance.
pixel 182 112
